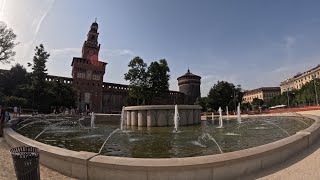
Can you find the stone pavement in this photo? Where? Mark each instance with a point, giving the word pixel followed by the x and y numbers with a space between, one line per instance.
pixel 7 169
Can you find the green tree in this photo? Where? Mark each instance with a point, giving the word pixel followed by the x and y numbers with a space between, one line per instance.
pixel 12 101
pixel 7 43
pixel 158 78
pixel 203 102
pixel 60 94
pixel 138 78
pixel 11 80
pixel 256 103
pixel 224 94
pixel 39 74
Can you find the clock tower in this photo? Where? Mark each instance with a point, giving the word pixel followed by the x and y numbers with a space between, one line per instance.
pixel 90 48
pixel 88 72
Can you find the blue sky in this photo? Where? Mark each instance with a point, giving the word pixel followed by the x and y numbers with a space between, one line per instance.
pixel 247 42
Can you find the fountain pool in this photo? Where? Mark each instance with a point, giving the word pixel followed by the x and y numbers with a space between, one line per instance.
pixel 161 142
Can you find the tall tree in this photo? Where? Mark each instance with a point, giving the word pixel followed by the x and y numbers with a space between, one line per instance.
pixel 224 94
pixel 158 78
pixel 138 78
pixel 39 74
pixel 7 43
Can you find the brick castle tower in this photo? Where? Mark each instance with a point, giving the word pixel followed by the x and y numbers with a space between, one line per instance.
pixel 87 73
pixel 189 84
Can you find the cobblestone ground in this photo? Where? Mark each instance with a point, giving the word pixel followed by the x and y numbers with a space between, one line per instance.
pixel 7 169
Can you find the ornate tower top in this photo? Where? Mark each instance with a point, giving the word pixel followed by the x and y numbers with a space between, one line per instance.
pixel 90 48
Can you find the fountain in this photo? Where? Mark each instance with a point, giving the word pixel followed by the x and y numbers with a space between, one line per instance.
pixel 212 116
pixel 176 119
pixel 122 121
pixel 93 117
pixel 108 142
pixel 227 112
pixel 220 118
pixel 238 113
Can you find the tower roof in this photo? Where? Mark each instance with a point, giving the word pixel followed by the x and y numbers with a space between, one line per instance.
pixel 190 75
pixel 95 23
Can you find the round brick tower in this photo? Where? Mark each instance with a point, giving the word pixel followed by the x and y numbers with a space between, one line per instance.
pixel 189 84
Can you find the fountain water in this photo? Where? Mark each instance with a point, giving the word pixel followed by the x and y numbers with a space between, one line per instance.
pixel 278 127
pixel 33 122
pixel 227 112
pixel 238 113
pixel 207 137
pixel 220 118
pixel 104 143
pixel 93 117
pixel 212 116
pixel 57 125
pixel 122 119
pixel 176 119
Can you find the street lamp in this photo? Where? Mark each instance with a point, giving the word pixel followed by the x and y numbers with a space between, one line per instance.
pixel 315 89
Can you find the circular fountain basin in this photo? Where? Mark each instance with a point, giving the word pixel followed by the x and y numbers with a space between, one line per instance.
pixel 244 150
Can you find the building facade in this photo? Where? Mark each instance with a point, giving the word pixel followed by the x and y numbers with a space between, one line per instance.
pixel 297 81
pixel 264 93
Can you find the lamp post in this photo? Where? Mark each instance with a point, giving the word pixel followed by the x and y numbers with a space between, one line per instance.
pixel 315 89
pixel 289 98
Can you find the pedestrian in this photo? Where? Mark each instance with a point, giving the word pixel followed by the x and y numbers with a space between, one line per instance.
pixel 2 116
pixel 15 111
pixel 6 116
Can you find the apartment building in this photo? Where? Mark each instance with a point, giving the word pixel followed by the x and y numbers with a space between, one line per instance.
pixel 264 93
pixel 297 81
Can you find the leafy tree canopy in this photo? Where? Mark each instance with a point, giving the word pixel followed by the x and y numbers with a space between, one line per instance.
pixel 7 43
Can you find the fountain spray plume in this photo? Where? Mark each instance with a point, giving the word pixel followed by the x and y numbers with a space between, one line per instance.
pixel 104 143
pixel 122 119
pixel 227 112
pixel 93 117
pixel 238 113
pixel 176 119
pixel 220 118
pixel 212 116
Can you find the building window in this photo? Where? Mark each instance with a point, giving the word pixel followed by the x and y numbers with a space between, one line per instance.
pixel 81 75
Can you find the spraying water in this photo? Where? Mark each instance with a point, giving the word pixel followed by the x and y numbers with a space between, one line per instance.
pixel 104 143
pixel 176 119
pixel 212 116
pixel 227 112
pixel 207 137
pixel 54 125
pixel 34 122
pixel 93 117
pixel 220 118
pixel 122 121
pixel 238 113
pixel 278 127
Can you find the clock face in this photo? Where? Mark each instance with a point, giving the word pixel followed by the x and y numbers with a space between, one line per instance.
pixel 91 52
